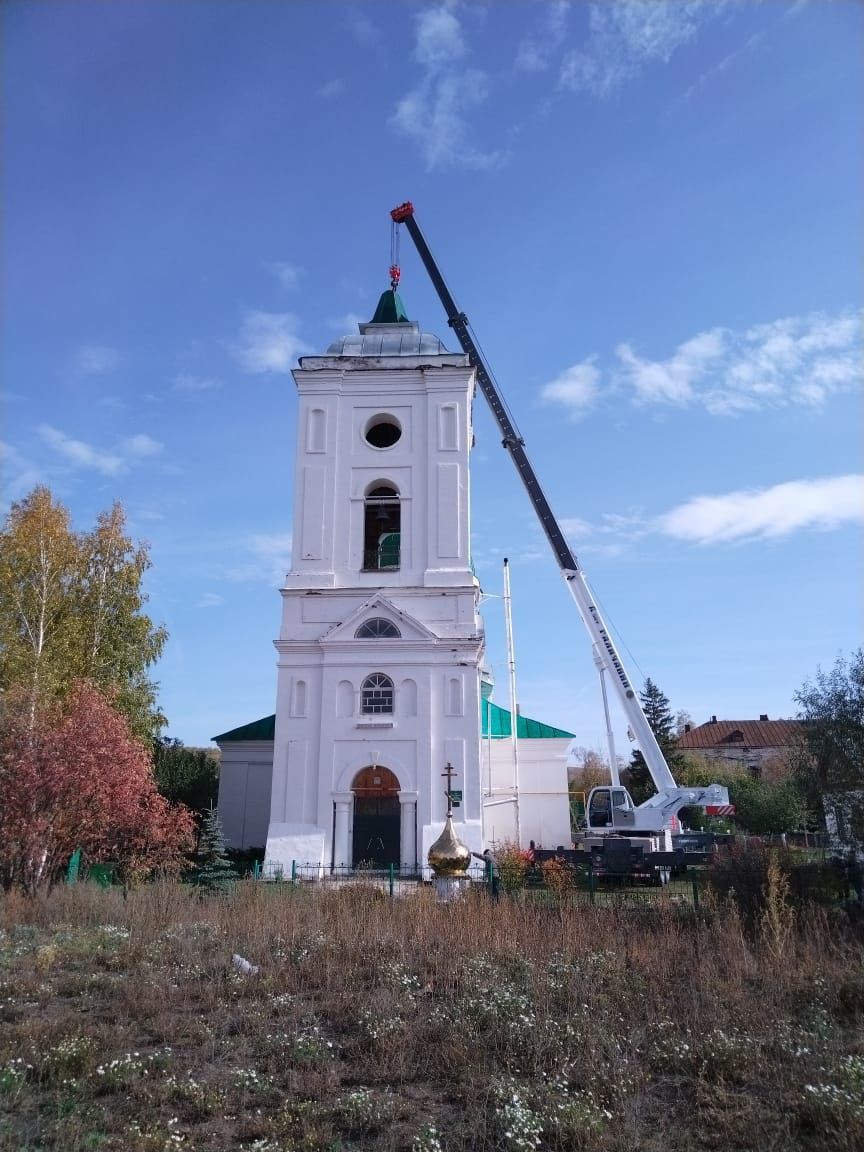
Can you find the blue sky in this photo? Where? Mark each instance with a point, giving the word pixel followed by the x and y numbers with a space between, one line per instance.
pixel 650 213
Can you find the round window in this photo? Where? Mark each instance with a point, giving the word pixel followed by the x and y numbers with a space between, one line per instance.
pixel 383 431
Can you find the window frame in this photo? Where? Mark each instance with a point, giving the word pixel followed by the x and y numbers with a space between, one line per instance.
pixel 377 695
pixel 384 629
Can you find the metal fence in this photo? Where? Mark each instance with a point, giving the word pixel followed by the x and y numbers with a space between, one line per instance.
pixel 391 880
pixel 586 888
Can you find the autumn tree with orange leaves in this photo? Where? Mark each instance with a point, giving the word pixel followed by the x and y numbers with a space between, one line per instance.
pixel 74 776
pixel 78 710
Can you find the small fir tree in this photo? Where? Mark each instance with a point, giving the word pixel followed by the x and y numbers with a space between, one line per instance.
pixel 213 868
pixel 658 713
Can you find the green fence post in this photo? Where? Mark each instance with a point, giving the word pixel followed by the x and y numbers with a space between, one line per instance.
pixel 391 868
pixel 293 871
pixel 74 867
pixel 591 881
pixel 256 870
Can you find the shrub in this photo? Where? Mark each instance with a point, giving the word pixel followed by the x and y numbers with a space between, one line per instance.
pixel 758 878
pixel 558 876
pixel 512 865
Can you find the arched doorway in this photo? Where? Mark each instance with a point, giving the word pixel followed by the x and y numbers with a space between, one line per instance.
pixel 376 818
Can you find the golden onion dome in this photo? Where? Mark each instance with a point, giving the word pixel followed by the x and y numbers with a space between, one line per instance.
pixel 448 856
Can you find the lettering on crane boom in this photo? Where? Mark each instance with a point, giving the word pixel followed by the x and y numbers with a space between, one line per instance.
pixel 616 663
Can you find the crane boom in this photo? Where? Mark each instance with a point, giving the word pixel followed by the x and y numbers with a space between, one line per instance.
pixel 567 561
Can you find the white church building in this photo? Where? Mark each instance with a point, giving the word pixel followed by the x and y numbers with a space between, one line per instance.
pixel 380 681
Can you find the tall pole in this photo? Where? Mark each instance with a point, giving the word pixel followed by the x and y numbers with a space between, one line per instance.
pixel 514 707
pixel 610 739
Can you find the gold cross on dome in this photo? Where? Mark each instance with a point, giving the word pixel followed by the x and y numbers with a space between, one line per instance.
pixel 449 772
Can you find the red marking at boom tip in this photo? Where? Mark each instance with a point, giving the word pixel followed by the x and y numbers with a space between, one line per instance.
pixel 398 215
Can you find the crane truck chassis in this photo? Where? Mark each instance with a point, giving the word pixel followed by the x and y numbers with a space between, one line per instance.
pixel 618 833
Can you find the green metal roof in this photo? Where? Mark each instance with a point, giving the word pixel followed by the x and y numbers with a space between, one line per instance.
pixel 263 729
pixel 390 309
pixel 497 723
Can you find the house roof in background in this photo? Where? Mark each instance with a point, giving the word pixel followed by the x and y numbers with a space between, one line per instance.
pixel 742 734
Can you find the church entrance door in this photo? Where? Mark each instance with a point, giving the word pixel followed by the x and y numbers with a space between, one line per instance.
pixel 376 818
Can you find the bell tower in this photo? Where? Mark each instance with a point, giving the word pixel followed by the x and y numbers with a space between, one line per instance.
pixel 381 642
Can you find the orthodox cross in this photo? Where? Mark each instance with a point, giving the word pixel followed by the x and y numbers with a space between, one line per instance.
pixel 449 772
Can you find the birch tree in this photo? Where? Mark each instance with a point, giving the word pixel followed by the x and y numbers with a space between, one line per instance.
pixel 71 608
pixel 38 575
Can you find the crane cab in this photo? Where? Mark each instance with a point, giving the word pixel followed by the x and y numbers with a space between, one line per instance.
pixel 610 809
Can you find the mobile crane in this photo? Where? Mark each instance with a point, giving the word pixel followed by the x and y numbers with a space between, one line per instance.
pixel 620 836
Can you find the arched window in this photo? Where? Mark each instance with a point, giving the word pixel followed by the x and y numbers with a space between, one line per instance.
pixel 381 529
pixel 377 629
pixel 376 695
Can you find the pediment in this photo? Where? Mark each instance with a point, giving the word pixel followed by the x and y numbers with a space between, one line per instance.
pixel 378 607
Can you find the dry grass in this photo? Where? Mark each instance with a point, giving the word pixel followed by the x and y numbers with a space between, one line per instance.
pixel 402 1024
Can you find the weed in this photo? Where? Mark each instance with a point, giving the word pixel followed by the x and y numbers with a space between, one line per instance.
pixel 407 1024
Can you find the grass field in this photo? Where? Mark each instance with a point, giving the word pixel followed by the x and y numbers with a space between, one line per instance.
pixel 374 1023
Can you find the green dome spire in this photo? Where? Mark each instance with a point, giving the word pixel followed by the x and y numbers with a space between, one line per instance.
pixel 390 309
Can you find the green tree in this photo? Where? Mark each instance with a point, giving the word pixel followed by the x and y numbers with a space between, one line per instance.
pixel 117 642
pixel 830 762
pixel 187 776
pixel 762 807
pixel 212 867
pixel 71 609
pixel 38 568
pixel 658 713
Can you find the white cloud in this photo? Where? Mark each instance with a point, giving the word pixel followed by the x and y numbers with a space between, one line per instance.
pixel 364 30
pixel 210 600
pixel 81 454
pixel 609 535
pixel 439 38
pixel 724 64
pixel 268 558
pixel 435 112
pixel 575 528
pixel 185 382
pixel 624 37
pixel 95 360
pixel 348 322
pixel 108 463
pixel 576 388
pixel 19 475
pixel 287 274
pixel 796 360
pixel 331 89
pixel 535 51
pixel 140 446
pixel 733 517
pixel 269 342
pixel 767 513
pixel 672 381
